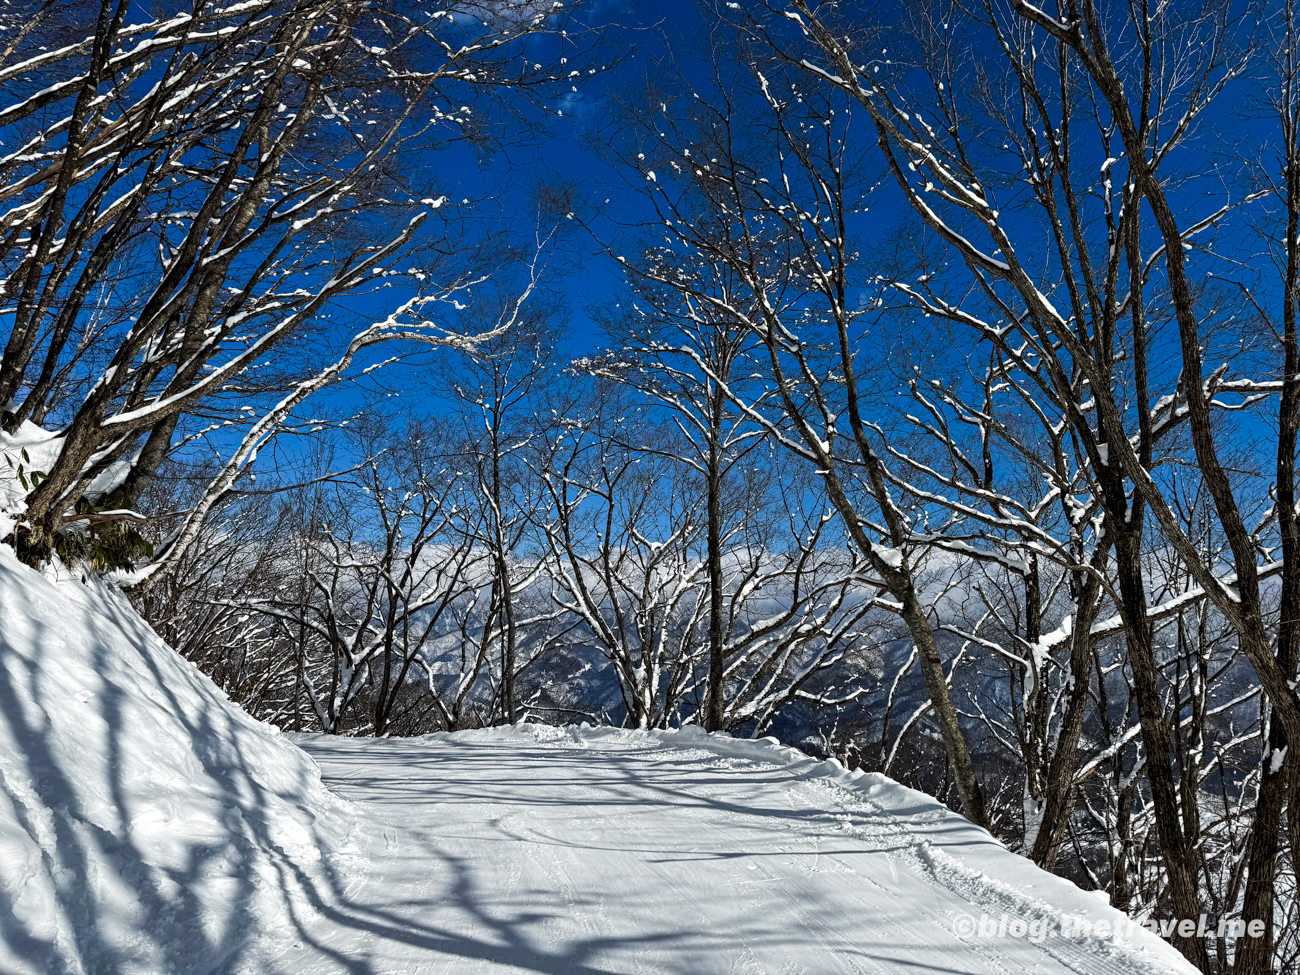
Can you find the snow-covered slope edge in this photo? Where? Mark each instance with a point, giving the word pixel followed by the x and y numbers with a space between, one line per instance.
pixel 958 855
pixel 964 857
pixel 146 823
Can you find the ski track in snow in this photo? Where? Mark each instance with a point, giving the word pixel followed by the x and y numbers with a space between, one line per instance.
pixel 600 851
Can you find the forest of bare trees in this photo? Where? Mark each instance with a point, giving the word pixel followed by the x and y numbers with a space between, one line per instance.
pixel 942 419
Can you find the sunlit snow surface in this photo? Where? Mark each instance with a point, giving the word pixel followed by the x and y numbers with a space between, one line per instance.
pixel 146 825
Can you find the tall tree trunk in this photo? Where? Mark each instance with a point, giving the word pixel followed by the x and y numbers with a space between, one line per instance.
pixel 503 576
pixel 945 712
pixel 1175 844
pixel 1058 797
pixel 1255 955
pixel 717 650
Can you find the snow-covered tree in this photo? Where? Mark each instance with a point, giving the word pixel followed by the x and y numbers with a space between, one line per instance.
pixel 619 531
pixel 371 580
pixel 182 196
pixel 755 198
pixel 1112 299
pixel 496 390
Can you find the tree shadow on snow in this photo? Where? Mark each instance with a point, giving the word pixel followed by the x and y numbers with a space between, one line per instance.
pixel 128 896
pixel 328 917
pixel 459 913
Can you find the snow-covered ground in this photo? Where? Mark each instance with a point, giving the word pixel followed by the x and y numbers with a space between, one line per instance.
pixel 601 851
pixel 147 825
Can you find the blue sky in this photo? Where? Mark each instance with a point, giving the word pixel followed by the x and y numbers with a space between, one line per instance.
pixel 560 151
pixel 502 186
pixel 638 32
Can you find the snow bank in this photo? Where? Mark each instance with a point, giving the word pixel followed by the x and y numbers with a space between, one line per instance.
pixel 146 823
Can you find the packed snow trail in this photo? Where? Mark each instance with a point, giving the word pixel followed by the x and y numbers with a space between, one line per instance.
pixel 595 851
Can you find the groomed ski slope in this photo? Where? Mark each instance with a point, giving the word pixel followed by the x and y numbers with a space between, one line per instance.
pixel 148 825
pixel 591 851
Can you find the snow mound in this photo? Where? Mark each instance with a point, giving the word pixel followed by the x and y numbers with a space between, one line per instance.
pixel 146 823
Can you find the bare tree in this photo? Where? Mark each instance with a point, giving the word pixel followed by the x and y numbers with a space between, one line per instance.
pixel 186 195
pixel 496 388
pixel 673 358
pixel 381 568
pixel 770 200
pixel 1094 291
pixel 619 531
pixel 783 609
